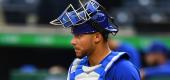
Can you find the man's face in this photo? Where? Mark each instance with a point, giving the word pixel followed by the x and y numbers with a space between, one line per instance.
pixel 154 58
pixel 150 59
pixel 83 44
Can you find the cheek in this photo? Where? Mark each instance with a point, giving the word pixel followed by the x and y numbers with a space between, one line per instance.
pixel 150 58
pixel 87 44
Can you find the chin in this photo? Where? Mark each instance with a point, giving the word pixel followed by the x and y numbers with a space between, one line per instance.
pixel 78 55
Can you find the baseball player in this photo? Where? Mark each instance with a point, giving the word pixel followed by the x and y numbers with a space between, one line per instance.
pixel 157 60
pixel 91 25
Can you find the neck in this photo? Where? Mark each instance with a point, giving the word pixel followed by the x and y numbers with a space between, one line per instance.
pixel 99 53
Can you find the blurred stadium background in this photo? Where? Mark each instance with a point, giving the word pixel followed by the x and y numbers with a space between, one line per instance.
pixel 31 49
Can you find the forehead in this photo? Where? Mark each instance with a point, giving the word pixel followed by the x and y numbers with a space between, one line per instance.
pixel 84 34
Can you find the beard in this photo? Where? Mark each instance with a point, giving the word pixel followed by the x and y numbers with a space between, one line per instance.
pixel 154 64
pixel 80 54
pixel 80 57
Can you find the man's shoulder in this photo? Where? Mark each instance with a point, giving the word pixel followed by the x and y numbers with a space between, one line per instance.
pixel 123 64
pixel 122 55
pixel 123 69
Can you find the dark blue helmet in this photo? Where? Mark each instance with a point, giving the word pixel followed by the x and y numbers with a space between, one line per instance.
pixel 157 46
pixel 89 18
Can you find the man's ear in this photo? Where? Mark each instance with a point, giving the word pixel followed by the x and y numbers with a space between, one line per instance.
pixel 97 37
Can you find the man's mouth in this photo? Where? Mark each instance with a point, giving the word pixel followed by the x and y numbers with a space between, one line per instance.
pixel 76 50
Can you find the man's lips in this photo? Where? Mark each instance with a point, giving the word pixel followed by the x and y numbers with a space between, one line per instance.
pixel 76 49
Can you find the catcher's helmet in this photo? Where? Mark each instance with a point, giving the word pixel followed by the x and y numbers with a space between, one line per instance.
pixel 89 18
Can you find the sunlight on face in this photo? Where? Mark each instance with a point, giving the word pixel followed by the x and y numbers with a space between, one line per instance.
pixel 83 44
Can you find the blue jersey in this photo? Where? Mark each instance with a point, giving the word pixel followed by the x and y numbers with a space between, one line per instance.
pixel 163 69
pixel 113 67
pixel 123 70
pixel 134 55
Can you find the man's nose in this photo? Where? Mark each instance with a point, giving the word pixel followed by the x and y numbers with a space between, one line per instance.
pixel 73 41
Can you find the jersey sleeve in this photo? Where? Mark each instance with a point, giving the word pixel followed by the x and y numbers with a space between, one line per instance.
pixel 134 55
pixel 123 70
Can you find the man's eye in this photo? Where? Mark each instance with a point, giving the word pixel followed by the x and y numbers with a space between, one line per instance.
pixel 78 35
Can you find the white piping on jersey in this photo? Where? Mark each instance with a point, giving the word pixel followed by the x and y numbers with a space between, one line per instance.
pixel 75 64
pixel 73 67
pixel 113 59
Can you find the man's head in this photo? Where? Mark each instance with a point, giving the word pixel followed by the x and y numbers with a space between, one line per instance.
pixel 89 24
pixel 156 54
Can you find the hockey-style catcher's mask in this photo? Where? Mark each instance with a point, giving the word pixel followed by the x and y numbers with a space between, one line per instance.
pixel 84 17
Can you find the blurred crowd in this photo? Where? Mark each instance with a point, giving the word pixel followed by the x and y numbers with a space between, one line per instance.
pixel 31 72
pixel 135 13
